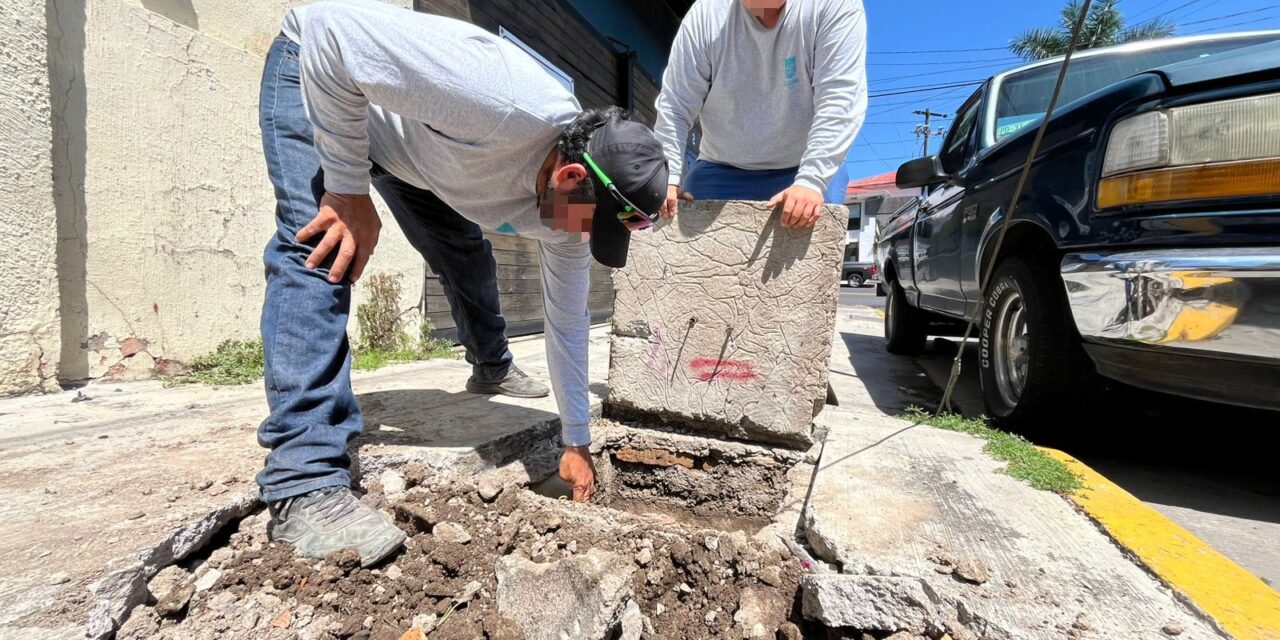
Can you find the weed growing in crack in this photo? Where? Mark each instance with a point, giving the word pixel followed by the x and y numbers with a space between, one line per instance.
pixel 233 362
pixel 384 340
pixel 1025 461
pixel 383 336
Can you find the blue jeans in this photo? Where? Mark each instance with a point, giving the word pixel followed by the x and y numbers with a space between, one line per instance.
pixel 313 411
pixel 708 180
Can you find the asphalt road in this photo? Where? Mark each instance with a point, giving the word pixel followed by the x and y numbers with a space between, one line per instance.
pixel 860 296
pixel 1208 467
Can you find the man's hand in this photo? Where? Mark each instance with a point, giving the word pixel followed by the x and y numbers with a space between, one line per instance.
pixel 577 471
pixel 672 203
pixel 351 224
pixel 800 206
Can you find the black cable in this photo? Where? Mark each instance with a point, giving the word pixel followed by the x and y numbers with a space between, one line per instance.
pixel 903 53
pixel 925 88
pixel 1013 203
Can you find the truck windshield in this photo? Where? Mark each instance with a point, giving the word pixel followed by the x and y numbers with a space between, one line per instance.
pixel 1024 97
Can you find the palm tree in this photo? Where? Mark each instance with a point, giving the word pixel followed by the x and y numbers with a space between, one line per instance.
pixel 1103 27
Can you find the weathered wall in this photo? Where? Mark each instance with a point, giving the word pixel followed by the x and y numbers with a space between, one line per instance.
pixel 28 286
pixel 165 205
pixel 724 319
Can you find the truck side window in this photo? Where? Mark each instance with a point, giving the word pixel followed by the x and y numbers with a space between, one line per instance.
pixel 956 146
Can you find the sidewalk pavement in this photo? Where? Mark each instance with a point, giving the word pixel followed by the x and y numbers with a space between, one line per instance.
pixel 101 487
pixel 924 529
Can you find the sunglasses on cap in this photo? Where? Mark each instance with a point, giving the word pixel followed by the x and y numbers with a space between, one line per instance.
pixel 631 216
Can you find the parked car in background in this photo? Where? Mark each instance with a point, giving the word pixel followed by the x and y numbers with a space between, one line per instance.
pixel 858 273
pixel 1145 247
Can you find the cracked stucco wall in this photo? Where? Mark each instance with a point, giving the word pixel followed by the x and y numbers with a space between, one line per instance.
pixel 164 205
pixel 28 275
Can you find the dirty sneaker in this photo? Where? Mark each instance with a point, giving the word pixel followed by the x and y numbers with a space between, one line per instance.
pixel 516 384
pixel 330 520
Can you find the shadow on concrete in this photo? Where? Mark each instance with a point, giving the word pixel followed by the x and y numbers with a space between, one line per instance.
pixel 65 22
pixel 179 11
pixel 788 246
pixel 440 419
pixel 893 382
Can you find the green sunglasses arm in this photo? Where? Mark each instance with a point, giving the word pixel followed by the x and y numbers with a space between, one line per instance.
pixel 592 163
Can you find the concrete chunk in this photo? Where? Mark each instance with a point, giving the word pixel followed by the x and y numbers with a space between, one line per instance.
pixel 723 321
pixel 870 602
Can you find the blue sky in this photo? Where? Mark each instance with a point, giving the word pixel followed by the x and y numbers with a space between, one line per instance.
pixel 935 27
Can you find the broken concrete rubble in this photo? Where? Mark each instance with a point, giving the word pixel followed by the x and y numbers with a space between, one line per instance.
pixel 577 597
pixel 723 320
pixel 530 561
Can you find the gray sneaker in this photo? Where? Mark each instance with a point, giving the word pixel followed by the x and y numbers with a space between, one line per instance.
pixel 516 384
pixel 332 519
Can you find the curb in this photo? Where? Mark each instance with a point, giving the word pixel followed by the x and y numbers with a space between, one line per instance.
pixel 1241 603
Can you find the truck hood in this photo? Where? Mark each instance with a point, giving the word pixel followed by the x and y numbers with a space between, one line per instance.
pixel 1260 60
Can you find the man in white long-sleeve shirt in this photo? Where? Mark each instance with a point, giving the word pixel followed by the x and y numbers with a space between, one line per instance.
pixel 460 131
pixel 780 89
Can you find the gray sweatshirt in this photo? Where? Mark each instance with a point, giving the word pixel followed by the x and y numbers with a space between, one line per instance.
pixel 794 95
pixel 449 107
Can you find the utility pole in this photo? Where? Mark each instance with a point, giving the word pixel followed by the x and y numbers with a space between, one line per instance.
pixel 924 130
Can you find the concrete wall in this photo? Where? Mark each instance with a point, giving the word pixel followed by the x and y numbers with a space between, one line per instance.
pixel 28 287
pixel 164 205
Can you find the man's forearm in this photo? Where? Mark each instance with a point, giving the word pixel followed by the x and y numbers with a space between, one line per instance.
pixel 565 282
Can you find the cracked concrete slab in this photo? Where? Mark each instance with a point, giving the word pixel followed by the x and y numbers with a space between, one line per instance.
pixel 723 321
pixel 100 488
pixel 896 504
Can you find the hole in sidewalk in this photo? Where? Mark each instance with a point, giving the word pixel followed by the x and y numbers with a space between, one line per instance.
pixel 717 487
pixel 674 513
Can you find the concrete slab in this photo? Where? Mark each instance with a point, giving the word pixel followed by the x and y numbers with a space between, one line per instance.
pixel 100 488
pixel 906 510
pixel 723 321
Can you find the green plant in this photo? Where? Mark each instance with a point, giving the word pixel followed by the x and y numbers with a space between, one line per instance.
pixel 232 362
pixel 1103 27
pixel 379 318
pixel 1025 461
pixel 383 338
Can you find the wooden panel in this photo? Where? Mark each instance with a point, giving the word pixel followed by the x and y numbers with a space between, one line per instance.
pixel 600 305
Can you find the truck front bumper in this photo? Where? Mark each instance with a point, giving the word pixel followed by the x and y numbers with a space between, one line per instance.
pixel 1204 322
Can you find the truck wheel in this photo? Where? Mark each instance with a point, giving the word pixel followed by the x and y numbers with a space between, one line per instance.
pixel 1029 356
pixel 856 280
pixel 904 325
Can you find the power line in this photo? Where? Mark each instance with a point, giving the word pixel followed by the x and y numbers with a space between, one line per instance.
pixel 904 53
pixel 894 106
pixel 953 62
pixel 934 73
pixel 926 88
pixel 1218 28
pixel 1170 12
pixel 1229 15
pixel 1150 9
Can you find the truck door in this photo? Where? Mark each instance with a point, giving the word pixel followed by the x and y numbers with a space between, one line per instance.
pixel 938 225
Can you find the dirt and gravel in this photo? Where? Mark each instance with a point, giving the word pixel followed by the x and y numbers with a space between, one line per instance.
pixel 683 541
pixel 687 582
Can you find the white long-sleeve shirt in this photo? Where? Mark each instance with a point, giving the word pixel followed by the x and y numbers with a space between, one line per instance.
pixel 793 95
pixel 449 107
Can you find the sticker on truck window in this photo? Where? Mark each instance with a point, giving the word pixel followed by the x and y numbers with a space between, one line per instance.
pixel 1013 124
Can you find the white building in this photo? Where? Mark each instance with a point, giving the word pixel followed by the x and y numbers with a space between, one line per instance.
pixel 871 201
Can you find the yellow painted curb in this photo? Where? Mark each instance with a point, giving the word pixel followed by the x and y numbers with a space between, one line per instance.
pixel 879 313
pixel 1239 601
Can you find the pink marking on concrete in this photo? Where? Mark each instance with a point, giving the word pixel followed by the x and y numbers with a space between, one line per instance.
pixel 708 369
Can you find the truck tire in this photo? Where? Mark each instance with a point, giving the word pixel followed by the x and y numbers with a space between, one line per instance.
pixel 856 280
pixel 904 325
pixel 1031 365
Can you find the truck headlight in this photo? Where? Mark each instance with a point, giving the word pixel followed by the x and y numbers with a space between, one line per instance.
pixel 1218 149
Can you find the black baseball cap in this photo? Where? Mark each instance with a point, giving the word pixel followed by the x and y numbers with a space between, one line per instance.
pixel 631 158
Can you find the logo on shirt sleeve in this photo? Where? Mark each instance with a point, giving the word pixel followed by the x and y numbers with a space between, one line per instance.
pixel 789 70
